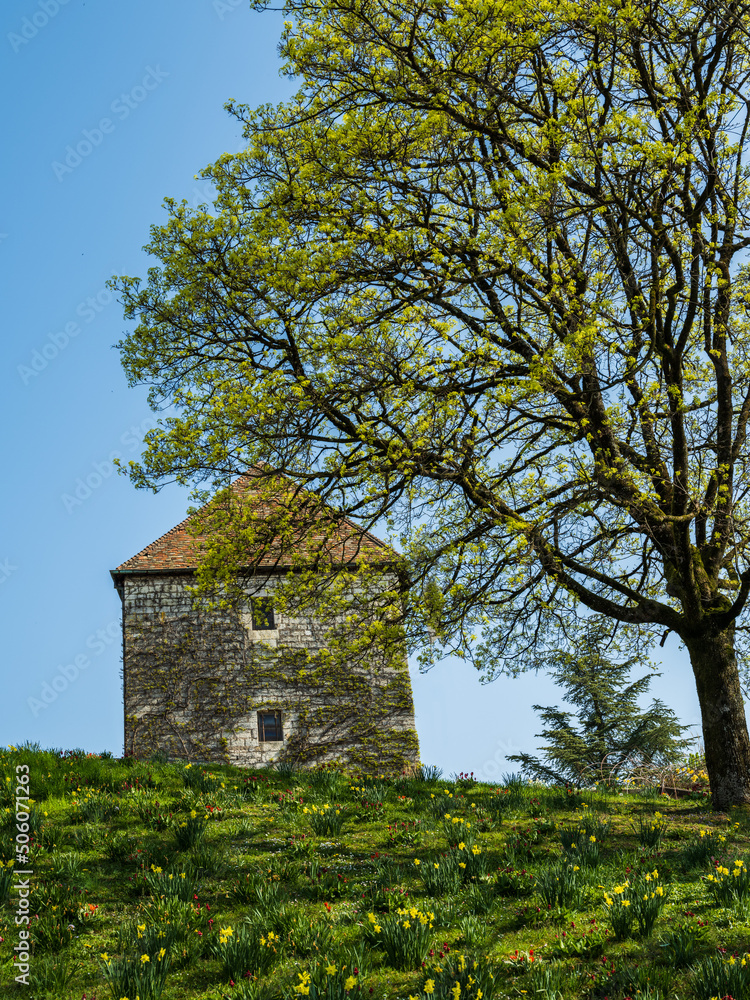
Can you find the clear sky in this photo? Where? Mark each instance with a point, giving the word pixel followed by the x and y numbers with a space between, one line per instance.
pixel 108 109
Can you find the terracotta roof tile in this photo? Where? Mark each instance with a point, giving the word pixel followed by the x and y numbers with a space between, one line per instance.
pixel 179 549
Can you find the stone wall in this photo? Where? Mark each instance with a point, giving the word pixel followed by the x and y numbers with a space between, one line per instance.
pixel 194 682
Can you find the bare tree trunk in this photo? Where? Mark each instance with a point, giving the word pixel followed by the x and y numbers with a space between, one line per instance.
pixel 725 734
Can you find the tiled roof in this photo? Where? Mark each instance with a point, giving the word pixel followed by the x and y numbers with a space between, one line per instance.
pixel 179 549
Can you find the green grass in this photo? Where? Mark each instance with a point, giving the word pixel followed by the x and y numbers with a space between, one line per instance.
pixel 169 880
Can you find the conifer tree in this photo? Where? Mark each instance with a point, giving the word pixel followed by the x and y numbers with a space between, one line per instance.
pixel 609 735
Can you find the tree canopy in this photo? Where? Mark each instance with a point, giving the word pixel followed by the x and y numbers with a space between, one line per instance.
pixel 483 278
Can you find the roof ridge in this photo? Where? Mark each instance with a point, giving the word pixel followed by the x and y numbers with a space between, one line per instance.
pixel 144 550
pixel 177 548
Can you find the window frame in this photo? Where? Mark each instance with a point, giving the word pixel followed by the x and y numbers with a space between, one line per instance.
pixel 262 614
pixel 278 725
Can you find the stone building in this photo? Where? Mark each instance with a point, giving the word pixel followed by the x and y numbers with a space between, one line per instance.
pixel 250 684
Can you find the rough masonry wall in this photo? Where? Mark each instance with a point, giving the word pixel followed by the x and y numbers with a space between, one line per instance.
pixel 194 683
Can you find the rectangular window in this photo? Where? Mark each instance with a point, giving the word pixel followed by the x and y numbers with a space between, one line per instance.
pixel 263 619
pixel 269 727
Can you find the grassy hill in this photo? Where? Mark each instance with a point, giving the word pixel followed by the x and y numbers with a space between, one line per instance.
pixel 161 879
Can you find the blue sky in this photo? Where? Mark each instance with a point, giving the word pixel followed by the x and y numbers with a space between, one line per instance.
pixel 110 108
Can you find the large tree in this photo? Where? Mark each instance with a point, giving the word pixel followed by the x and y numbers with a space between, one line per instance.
pixel 483 277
